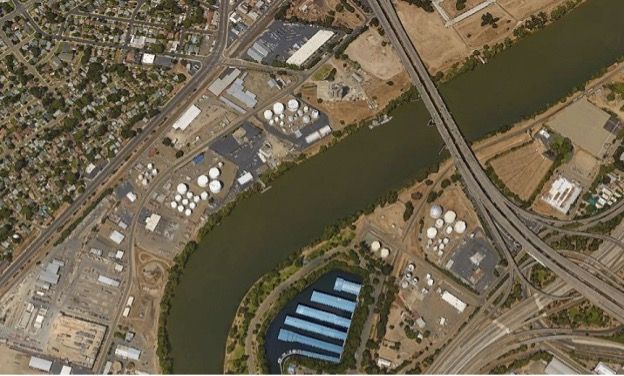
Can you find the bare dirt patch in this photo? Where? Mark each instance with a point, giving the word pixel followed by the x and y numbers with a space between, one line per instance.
pixel 523 169
pixel 450 7
pixel 439 46
pixel 521 9
pixel 375 55
pixel 365 98
pixel 75 340
pixel 477 36
pixel 14 362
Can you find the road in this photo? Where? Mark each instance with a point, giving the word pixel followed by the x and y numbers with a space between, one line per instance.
pixel 481 335
pixel 606 295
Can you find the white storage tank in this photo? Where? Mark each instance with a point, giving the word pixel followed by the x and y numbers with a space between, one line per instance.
pixel 214 173
pixel 435 212
pixel 293 105
pixel 204 196
pixel 432 232
pixel 202 181
pixel 188 212
pixel 215 186
pixel 180 208
pixel 439 223
pixel 384 253
pixel 278 108
pixel 460 227
pixel 315 114
pixel 182 188
pixel 192 205
pixel 185 202
pixel 450 217
pixel 178 197
pixel 268 114
pixel 174 204
pixel 375 245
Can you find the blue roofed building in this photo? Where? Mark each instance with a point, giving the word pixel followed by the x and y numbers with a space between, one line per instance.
pixel 349 287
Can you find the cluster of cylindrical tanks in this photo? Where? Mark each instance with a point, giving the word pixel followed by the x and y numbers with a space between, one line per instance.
pixel 445 223
pixel 147 175
pixel 280 115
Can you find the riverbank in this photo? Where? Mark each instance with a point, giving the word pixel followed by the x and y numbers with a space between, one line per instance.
pixel 366 165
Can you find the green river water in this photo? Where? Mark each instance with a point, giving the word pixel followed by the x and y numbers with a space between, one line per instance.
pixel 265 228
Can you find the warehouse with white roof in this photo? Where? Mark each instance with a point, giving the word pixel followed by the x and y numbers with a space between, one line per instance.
pixel 310 47
pixel 187 117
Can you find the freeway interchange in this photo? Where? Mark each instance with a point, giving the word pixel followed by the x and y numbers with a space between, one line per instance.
pixel 506 217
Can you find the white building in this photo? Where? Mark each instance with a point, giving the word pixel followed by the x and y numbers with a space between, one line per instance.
pixel 151 222
pixel 310 47
pixel 148 59
pixel 603 369
pixel 40 364
pixel 454 301
pixel 108 281
pixel 187 117
pixel 562 194
pixel 127 352
pixel 117 237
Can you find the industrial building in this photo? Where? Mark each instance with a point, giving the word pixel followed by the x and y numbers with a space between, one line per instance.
pixel 127 352
pixel 562 194
pixel 40 364
pixel 187 118
pixel 451 299
pixel 310 47
pixel 226 79
pixel 333 301
pixel 347 286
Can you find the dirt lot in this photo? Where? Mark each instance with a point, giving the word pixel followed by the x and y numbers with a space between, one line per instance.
pixel 439 46
pixel 450 8
pixel 345 112
pixel 375 58
pixel 521 9
pixel 583 167
pixel 477 36
pixel 523 169
pixel 75 340
pixel 317 10
pixel 14 362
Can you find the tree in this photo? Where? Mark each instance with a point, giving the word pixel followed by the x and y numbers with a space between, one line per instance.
pixel 409 210
pixel 489 19
pixel 167 141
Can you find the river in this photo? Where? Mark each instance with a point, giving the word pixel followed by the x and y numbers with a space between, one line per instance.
pixel 265 228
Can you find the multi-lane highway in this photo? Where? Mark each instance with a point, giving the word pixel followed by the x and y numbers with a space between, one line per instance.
pixel 608 296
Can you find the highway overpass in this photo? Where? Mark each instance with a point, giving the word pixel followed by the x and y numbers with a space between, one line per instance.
pixel 600 291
